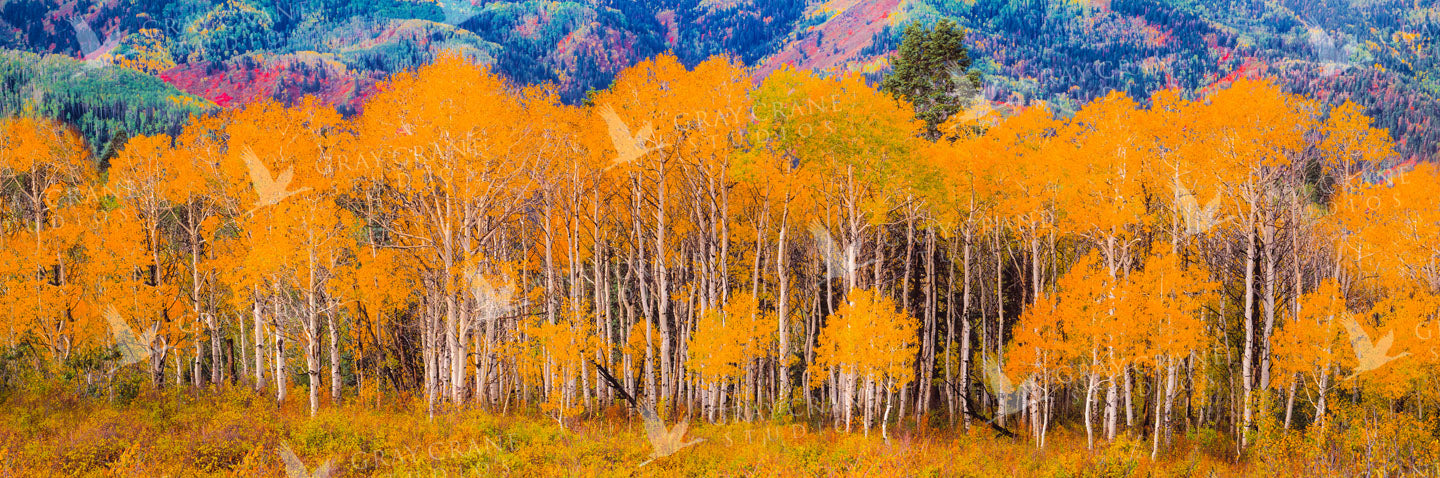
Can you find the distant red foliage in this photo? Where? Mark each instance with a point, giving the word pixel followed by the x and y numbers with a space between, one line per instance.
pixel 1250 68
pixel 285 78
pixel 672 28
pixel 836 44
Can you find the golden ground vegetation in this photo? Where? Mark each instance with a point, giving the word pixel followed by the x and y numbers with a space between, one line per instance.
pixel 237 432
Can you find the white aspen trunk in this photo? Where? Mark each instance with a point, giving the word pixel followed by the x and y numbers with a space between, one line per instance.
pixel 1171 385
pixel 909 256
pixel 869 403
pixel 157 362
pixel 483 365
pixel 217 358
pixel 1034 396
pixel 966 330
pixel 312 351
pixel 258 309
pixel 1129 399
pixel 847 393
pixel 927 361
pixel 195 304
pixel 782 318
pixel 1034 267
pixel 334 353
pixel 662 288
pixel 243 360
pixel 1270 281
pixel 196 378
pixel 852 239
pixel 885 419
pixel 282 379
pixel 453 363
pixel 1091 385
pixel 1247 359
pixel 429 336
pixel 1112 405
pixel 1155 430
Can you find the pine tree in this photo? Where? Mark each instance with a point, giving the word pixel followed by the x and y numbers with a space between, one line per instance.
pixel 931 69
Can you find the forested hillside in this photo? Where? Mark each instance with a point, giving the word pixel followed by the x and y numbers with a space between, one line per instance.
pixel 107 105
pixel 1379 54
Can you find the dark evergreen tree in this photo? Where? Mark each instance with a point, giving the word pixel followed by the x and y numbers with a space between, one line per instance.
pixel 931 70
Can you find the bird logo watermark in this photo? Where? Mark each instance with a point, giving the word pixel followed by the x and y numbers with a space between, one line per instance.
pixel 1369 354
pixel 837 259
pixel 492 301
pixel 270 189
pixel 133 347
pixel 92 51
pixel 1009 397
pixel 628 147
pixel 971 97
pixel 295 468
pixel 1197 219
pixel 664 441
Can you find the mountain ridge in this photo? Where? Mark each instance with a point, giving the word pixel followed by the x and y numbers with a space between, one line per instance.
pixel 1379 53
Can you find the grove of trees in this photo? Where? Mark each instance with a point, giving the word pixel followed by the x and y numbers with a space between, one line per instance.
pixel 788 250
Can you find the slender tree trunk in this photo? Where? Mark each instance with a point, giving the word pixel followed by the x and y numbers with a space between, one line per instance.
pixel 244 349
pixel 927 359
pixel 1156 430
pixel 196 371
pixel 312 351
pixel 1247 360
pixel 157 363
pixel 334 359
pixel 282 379
pixel 1290 400
pixel 1129 399
pixel 662 289
pixel 217 362
pixel 782 313
pixel 1270 281
pixel 1092 384
pixel 1172 383
pixel 1112 408
pixel 966 330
